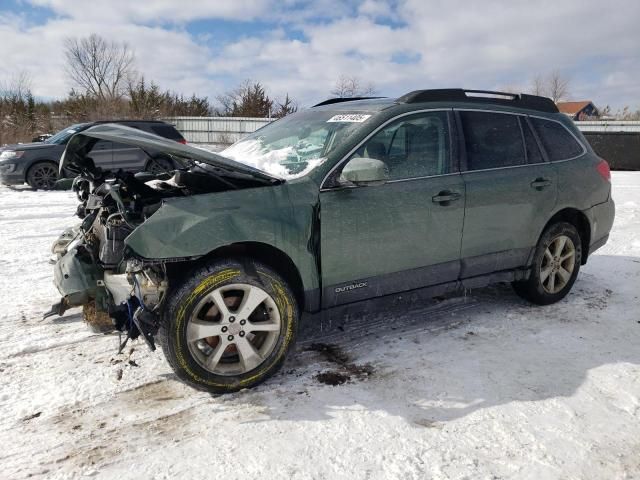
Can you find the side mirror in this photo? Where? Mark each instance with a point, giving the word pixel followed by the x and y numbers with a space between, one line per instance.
pixel 365 171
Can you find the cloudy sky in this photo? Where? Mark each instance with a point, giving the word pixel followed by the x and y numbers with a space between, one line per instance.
pixel 303 46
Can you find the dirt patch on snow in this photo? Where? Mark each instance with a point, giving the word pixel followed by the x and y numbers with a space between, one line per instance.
pixel 347 371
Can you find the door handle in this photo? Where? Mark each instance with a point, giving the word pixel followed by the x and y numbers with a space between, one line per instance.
pixel 540 183
pixel 445 197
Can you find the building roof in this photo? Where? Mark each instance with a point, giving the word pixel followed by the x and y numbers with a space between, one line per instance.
pixel 572 108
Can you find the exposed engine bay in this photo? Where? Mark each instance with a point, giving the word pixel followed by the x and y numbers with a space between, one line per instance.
pixel 93 266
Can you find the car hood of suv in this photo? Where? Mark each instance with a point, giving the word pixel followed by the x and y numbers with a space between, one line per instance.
pixel 80 145
pixel 26 146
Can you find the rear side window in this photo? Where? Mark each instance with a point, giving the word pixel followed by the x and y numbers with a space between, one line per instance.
pixel 492 140
pixel 556 140
pixel 166 131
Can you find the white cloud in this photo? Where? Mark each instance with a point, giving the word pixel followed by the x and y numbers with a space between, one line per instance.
pixel 376 8
pixel 439 43
pixel 157 10
pixel 169 57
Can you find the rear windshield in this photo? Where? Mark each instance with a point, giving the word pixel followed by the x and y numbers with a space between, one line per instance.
pixel 297 143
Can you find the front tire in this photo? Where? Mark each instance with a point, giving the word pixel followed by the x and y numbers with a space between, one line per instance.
pixel 556 264
pixel 229 326
pixel 42 175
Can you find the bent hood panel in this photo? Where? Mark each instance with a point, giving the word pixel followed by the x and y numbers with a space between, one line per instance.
pixel 80 145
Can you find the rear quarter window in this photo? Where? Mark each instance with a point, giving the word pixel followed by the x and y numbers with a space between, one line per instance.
pixel 166 131
pixel 556 140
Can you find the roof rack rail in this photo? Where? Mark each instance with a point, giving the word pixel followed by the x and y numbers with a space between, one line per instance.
pixel 122 120
pixel 521 100
pixel 343 99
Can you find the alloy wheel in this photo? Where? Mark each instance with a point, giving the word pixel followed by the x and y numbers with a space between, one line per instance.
pixel 44 177
pixel 557 264
pixel 233 329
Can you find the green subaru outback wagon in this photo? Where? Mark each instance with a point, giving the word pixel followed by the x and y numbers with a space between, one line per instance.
pixel 224 260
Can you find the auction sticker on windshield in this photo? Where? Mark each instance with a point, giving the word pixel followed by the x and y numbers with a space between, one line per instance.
pixel 349 117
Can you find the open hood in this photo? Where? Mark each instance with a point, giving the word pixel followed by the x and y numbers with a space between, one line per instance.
pixel 80 145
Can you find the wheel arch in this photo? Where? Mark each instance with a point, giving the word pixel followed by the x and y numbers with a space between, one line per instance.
pixel 579 220
pixel 270 256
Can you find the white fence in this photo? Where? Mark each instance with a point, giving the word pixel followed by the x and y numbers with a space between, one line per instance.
pixel 224 130
pixel 227 130
pixel 609 126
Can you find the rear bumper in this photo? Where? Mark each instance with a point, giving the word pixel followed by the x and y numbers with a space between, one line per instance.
pixel 597 244
pixel 601 218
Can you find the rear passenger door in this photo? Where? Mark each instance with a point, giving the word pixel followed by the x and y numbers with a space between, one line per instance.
pixel 128 158
pixel 510 191
pixel 102 154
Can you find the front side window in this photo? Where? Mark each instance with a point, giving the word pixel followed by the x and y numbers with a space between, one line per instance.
pixel 414 146
pixel 556 140
pixel 492 140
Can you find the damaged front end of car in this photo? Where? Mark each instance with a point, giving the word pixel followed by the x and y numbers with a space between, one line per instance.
pixel 94 268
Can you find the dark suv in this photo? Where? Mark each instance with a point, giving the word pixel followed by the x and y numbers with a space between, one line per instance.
pixel 37 163
pixel 345 202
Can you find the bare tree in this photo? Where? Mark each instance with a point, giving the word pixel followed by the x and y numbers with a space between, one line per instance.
pixel 554 86
pixel 98 67
pixel 557 86
pixel 537 85
pixel 352 86
pixel 18 85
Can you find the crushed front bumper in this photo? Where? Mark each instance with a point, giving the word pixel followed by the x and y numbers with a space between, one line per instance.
pixel 76 279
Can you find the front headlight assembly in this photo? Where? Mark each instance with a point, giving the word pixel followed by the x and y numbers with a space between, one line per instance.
pixel 11 154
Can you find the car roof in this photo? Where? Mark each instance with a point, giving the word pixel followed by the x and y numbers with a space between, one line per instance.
pixel 452 97
pixel 124 121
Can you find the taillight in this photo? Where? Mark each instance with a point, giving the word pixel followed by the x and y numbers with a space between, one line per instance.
pixel 604 170
pixel 182 141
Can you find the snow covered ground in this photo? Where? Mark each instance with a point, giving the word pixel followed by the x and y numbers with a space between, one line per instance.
pixel 485 386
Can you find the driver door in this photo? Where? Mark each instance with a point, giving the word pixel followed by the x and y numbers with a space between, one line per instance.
pixel 402 234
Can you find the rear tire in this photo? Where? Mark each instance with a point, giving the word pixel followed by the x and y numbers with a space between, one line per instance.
pixel 229 326
pixel 556 264
pixel 42 175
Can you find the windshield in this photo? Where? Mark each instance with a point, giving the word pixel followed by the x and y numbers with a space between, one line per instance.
pixel 296 144
pixel 63 135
